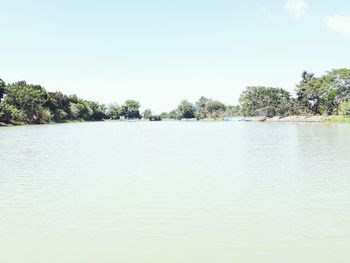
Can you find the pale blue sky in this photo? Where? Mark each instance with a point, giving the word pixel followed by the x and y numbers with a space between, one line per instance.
pixel 159 52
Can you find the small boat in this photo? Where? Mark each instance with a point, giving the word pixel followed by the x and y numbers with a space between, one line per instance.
pixel 246 119
pixel 155 118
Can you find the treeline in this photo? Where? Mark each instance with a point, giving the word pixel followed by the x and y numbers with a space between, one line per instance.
pixel 325 95
pixel 25 103
pixel 203 108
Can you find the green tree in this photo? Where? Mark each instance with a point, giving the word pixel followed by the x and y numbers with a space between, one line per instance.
pixel 2 89
pixel 186 110
pixel 310 93
pixel 30 99
pixel 174 114
pixel 233 110
pixel 85 111
pixel 336 84
pixel 98 111
pixel 324 95
pixel 147 114
pixel 200 108
pixel 267 101
pixel 74 111
pixel 164 115
pixel 59 106
pixel 115 112
pixel 130 109
pixel 215 108
pixel 10 114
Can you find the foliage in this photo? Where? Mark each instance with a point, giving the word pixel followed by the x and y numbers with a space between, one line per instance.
pixel 309 93
pixel 27 98
pixel 186 110
pixel 199 108
pixel 10 114
pixel 344 109
pixel 233 110
pixel 328 94
pixel 2 89
pixel 325 94
pixel 164 115
pixel 59 106
pixel 265 101
pixel 174 114
pixel 130 109
pixel 22 102
pixel 114 111
pixel 98 111
pixel 147 114
pixel 214 109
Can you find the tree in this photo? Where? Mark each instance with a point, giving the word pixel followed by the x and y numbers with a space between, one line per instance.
pixel 266 101
pixel 324 95
pixel 2 89
pixel 233 110
pixel 30 99
pixel 74 111
pixel 164 115
pixel 59 105
pixel 147 114
pixel 114 111
pixel 98 111
pixel 9 113
pixel 174 114
pixel 337 85
pixel 310 92
pixel 199 108
pixel 85 111
pixel 215 108
pixel 186 110
pixel 130 109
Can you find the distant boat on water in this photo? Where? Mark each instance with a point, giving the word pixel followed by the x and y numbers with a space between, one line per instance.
pixel 246 119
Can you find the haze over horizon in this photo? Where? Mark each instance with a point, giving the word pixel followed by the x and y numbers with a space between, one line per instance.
pixel 161 52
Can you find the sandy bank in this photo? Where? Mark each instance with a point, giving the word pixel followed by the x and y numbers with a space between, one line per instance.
pixel 297 119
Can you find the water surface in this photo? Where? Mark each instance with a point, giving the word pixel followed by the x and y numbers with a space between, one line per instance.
pixel 156 192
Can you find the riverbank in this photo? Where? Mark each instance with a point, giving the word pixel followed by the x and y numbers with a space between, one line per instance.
pixel 317 118
pixel 297 119
pixel 2 124
pixel 310 119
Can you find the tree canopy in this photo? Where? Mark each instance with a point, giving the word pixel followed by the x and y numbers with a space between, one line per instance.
pixel 265 100
pixel 328 94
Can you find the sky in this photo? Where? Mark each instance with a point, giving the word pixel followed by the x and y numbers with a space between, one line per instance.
pixel 160 51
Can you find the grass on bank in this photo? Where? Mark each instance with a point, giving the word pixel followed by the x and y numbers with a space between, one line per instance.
pixel 336 118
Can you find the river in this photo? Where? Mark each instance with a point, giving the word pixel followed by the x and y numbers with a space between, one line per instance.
pixel 166 192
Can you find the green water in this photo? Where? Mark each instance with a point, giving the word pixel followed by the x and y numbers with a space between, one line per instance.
pixel 175 192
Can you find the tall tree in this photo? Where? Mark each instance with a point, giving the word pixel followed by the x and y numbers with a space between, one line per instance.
pixel 130 109
pixel 147 114
pixel 337 85
pixel 186 110
pixel 28 98
pixel 2 89
pixel 266 101
pixel 310 92
pixel 215 108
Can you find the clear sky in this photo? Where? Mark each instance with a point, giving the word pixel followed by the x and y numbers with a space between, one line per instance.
pixel 161 51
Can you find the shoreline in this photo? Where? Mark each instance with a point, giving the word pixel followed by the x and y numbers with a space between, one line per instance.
pixel 295 119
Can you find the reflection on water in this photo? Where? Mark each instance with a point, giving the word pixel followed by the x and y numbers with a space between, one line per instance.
pixel 175 192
